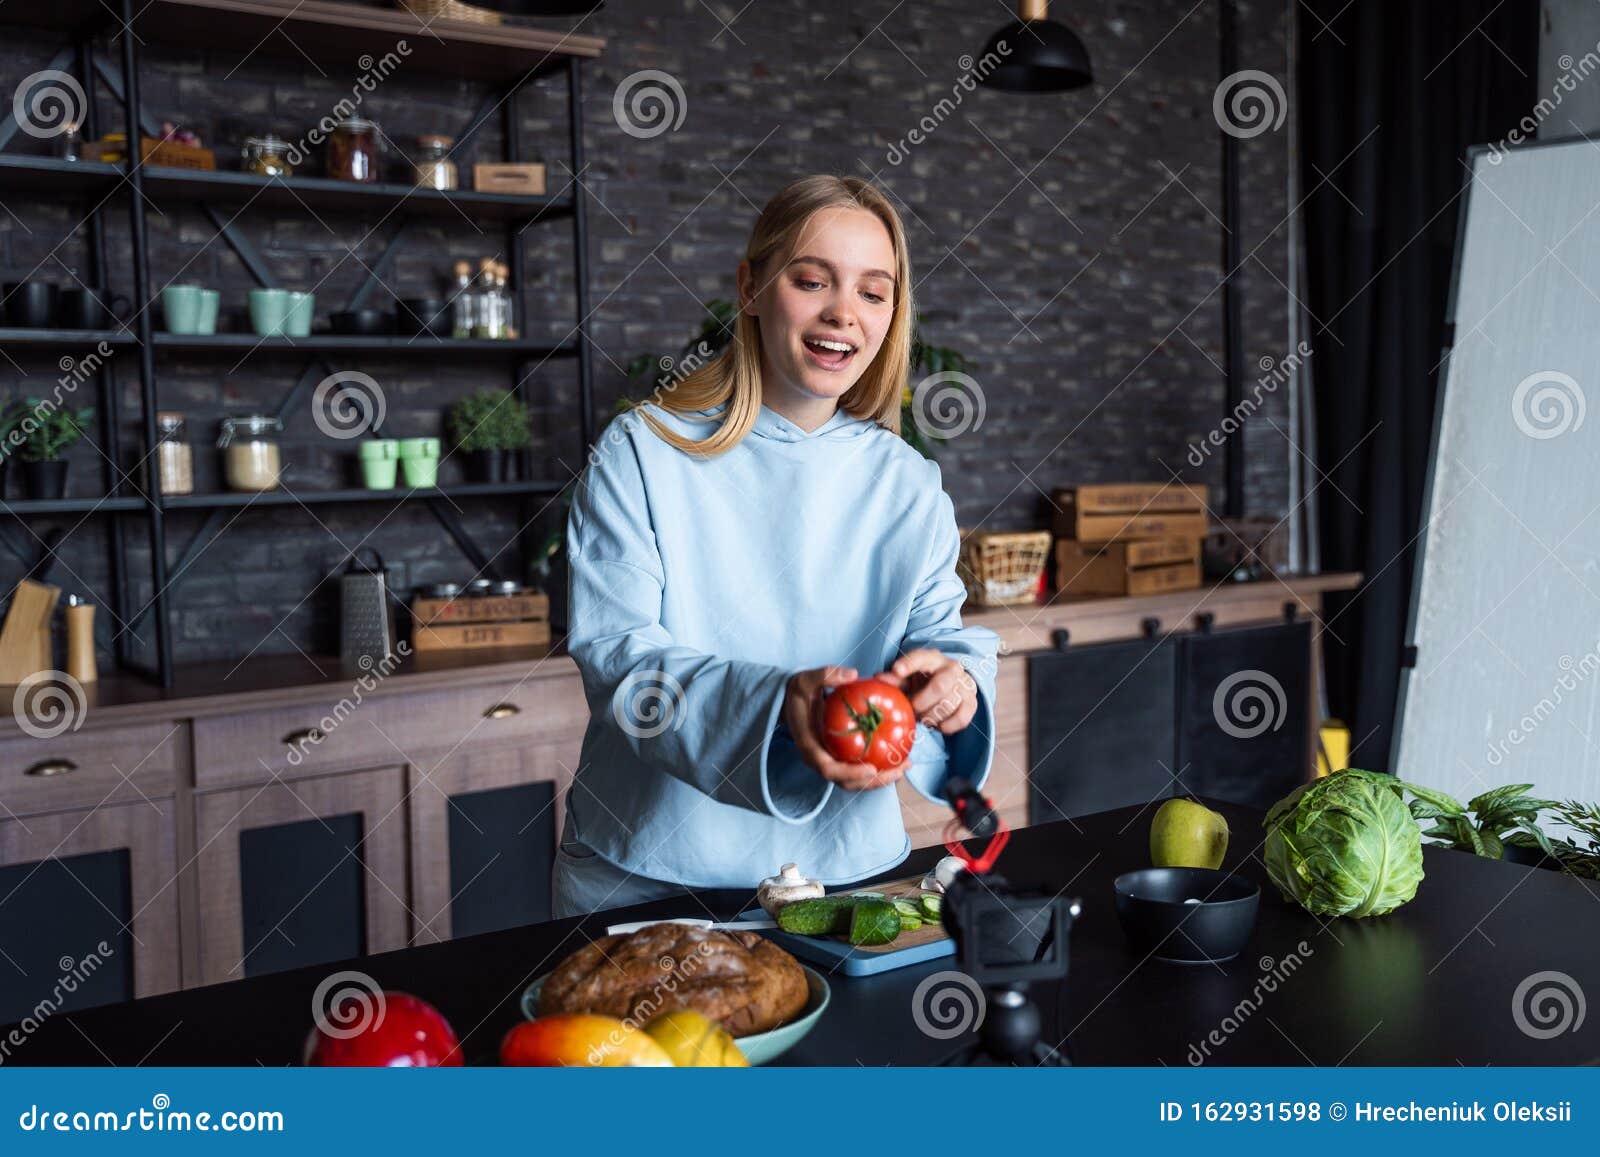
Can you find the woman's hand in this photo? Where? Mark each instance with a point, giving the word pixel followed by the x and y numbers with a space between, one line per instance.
pixel 943 694
pixel 802 708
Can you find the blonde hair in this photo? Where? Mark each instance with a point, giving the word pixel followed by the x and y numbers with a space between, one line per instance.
pixel 735 376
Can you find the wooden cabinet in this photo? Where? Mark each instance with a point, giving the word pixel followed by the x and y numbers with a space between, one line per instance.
pixel 484 827
pixel 303 872
pixel 88 907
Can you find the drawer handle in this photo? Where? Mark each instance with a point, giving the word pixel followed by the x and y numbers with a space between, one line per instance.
pixel 502 711
pixel 49 767
pixel 304 735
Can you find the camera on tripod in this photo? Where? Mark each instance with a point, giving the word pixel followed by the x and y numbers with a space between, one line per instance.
pixel 1006 937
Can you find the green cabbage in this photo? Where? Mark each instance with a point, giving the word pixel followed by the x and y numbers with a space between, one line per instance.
pixel 1345 845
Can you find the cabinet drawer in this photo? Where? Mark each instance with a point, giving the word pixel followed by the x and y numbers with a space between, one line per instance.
pixel 329 736
pixel 293 742
pixel 89 767
pixel 541 709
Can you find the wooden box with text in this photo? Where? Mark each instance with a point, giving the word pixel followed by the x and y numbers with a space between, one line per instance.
pixel 1127 568
pixel 1134 510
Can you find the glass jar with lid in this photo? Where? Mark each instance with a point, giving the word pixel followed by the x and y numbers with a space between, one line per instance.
pixel 433 166
pixel 174 455
pixel 267 156
pixel 352 153
pixel 251 460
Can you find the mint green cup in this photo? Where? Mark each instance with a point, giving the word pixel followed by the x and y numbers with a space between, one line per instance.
pixel 378 473
pixel 206 315
pixel 297 320
pixel 180 306
pixel 269 310
pixel 419 461
pixel 380 450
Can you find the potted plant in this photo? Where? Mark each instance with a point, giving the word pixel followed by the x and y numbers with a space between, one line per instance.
pixel 1502 824
pixel 38 434
pixel 486 426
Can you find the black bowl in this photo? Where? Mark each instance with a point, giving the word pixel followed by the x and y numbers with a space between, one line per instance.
pixel 30 304
pixel 361 322
pixel 1154 909
pixel 423 315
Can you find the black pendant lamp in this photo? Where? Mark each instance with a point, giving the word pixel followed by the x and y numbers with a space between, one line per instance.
pixel 1040 56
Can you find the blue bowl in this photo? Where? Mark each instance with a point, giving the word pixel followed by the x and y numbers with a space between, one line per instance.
pixel 759 1048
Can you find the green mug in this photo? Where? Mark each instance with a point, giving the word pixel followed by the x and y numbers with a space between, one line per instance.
pixel 297 318
pixel 419 461
pixel 269 309
pixel 180 306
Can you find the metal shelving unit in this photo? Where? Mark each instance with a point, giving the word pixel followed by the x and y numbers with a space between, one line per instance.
pixel 508 58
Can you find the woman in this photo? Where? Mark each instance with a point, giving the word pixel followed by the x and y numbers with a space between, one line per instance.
pixel 746 540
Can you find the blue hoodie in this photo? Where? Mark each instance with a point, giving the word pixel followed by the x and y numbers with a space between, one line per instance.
pixel 699 586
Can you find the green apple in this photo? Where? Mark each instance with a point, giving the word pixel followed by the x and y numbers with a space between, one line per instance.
pixel 1186 834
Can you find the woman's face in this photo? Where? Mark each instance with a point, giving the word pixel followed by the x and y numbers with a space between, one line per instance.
pixel 838 288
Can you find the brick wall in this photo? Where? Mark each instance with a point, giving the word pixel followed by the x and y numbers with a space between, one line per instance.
pixel 1111 377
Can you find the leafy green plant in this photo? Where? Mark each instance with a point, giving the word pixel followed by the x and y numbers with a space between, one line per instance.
pixel 1580 859
pixel 39 433
pixel 489 420
pixel 1485 823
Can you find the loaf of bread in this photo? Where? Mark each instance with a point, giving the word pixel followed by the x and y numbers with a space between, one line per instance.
pixel 741 979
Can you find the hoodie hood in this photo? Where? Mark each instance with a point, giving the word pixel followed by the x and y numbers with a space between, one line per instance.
pixel 774 426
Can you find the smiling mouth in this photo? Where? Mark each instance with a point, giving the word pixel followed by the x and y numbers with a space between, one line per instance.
pixel 828 353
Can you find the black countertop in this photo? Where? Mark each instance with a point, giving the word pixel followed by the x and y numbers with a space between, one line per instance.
pixel 1432 983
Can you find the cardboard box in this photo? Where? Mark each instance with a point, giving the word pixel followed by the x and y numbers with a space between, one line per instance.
pixel 1127 568
pixel 526 177
pixel 1135 510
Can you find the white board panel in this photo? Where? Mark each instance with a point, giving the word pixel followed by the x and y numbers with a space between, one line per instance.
pixel 1506 611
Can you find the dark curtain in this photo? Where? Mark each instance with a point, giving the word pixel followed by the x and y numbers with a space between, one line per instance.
pixel 1392 93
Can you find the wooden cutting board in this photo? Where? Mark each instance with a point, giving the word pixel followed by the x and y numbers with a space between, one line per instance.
pixel 25 638
pixel 926 943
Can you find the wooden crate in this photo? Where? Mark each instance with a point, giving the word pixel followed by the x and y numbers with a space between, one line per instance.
pixel 1127 568
pixel 1134 510
pixel 464 624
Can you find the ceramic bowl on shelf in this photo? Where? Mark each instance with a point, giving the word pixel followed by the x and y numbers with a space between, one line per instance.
pixel 361 323
pixel 423 316
pixel 759 1048
pixel 1187 915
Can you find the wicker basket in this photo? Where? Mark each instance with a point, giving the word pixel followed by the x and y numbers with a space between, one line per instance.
pixel 448 10
pixel 1003 569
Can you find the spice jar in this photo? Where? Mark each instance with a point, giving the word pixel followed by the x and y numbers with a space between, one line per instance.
pixel 174 455
pixel 250 458
pixel 353 151
pixel 267 156
pixel 433 166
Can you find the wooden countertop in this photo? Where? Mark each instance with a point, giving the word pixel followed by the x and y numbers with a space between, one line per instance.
pixel 284 680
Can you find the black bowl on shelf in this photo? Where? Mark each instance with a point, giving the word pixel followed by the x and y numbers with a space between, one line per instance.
pixel 361 323
pixel 423 315
pixel 1187 915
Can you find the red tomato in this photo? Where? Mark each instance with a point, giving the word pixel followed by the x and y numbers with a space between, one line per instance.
pixel 389 1028
pixel 868 721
